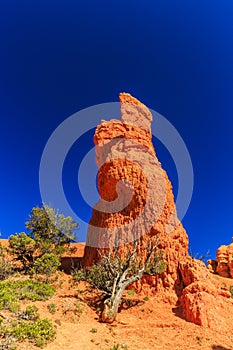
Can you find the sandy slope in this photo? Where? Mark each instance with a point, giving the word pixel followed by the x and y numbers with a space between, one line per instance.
pixel 149 325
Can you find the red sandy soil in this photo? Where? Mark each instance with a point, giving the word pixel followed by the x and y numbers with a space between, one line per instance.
pixel 146 325
pixel 151 324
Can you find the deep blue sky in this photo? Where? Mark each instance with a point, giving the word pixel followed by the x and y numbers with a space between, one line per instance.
pixel 58 57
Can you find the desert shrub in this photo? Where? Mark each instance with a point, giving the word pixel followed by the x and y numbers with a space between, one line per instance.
pixel 93 330
pixel 231 291
pixel 30 313
pixel 52 308
pixel 100 277
pixel 39 332
pixel 23 248
pixel 119 346
pixel 36 290
pixel 78 308
pixel 156 266
pixel 12 291
pixel 73 307
pixel 78 275
pixel 128 302
pixel 14 307
pixel 131 292
pixel 46 265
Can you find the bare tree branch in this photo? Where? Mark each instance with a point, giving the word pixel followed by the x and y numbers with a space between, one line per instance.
pixel 115 273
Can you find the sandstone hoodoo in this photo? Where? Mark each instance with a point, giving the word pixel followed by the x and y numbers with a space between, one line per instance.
pixel 223 265
pixel 136 194
pixel 137 203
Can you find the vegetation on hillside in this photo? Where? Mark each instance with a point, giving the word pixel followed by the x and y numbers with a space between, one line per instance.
pixel 33 255
pixel 48 233
pixel 28 272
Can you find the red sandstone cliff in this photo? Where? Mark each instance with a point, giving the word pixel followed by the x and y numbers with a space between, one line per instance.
pixel 137 202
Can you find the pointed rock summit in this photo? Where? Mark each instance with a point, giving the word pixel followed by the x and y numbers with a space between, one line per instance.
pixel 136 201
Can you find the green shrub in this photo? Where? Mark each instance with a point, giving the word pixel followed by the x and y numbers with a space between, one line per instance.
pixel 119 346
pixel 36 290
pixel 52 308
pixel 12 291
pixel 78 308
pixel 100 277
pixel 30 313
pixel 158 267
pixel 78 275
pixel 14 307
pixel 46 265
pixel 93 330
pixel 39 332
pixel 128 302
pixel 131 292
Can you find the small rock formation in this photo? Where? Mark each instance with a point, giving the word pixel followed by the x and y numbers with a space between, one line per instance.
pixel 223 265
pixel 137 202
pixel 204 300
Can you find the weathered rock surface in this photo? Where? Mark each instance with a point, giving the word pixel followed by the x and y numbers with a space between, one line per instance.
pixel 207 305
pixel 204 300
pixel 223 265
pixel 137 202
pixel 124 151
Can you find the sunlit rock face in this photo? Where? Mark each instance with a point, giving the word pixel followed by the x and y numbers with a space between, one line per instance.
pixel 137 202
pixel 136 195
pixel 223 265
